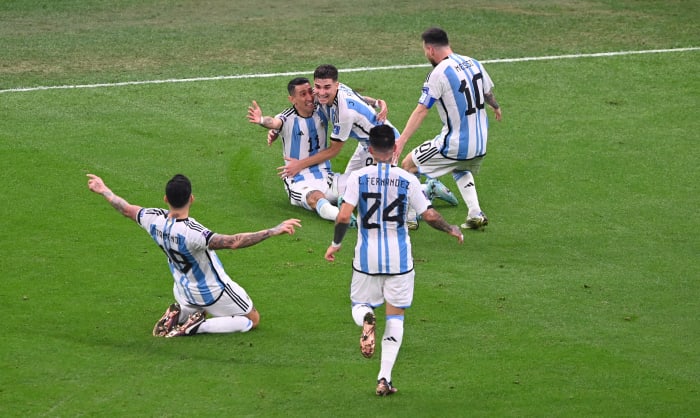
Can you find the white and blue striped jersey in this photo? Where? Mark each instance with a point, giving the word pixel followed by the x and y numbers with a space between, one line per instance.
pixel 198 273
pixel 351 116
pixel 303 137
pixel 382 194
pixel 457 85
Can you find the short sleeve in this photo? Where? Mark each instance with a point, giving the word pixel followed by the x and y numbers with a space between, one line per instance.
pixel 352 190
pixel 147 216
pixel 417 198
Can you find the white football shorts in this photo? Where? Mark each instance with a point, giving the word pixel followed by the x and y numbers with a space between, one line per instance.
pixel 298 191
pixel 361 158
pixel 234 301
pixel 374 290
pixel 430 162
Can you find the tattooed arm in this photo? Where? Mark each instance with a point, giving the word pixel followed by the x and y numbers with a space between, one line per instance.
pixel 98 186
pixel 379 105
pixel 491 100
pixel 434 219
pixel 256 116
pixel 246 239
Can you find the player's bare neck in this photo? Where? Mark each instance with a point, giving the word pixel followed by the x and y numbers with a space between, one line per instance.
pixel 383 157
pixel 304 114
pixel 179 214
pixel 443 53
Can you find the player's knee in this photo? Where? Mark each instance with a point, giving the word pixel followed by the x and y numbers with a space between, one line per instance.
pixel 313 197
pixel 407 164
pixel 254 316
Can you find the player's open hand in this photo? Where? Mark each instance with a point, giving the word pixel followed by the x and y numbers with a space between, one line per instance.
pixel 95 184
pixel 291 169
pixel 456 232
pixel 254 113
pixel 286 227
pixel 498 113
pixel 272 135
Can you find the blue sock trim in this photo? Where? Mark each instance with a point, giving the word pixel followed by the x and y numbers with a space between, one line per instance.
pixel 459 174
pixel 399 317
pixel 321 203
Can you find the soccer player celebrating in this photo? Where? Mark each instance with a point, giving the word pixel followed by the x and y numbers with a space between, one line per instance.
pixel 303 132
pixel 201 285
pixel 352 116
pixel 458 86
pixel 383 262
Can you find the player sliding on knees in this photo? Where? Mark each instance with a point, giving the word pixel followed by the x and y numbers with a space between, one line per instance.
pixel 201 286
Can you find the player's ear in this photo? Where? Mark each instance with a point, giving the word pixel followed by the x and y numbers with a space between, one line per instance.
pixel 191 199
pixel 165 198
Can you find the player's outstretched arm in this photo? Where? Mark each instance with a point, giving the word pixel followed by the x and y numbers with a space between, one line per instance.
pixel 246 239
pixel 97 185
pixel 256 116
pixel 434 219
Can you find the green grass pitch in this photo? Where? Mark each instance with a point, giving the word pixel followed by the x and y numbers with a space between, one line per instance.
pixel 579 299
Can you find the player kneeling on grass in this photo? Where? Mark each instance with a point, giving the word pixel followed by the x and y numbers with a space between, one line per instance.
pixel 383 262
pixel 201 286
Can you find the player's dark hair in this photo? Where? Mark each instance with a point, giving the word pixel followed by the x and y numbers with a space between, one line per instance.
pixel 435 36
pixel 178 191
pixel 382 138
pixel 326 71
pixel 291 86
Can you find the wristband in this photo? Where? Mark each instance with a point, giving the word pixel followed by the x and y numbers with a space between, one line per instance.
pixel 262 121
pixel 334 245
pixel 376 104
pixel 339 233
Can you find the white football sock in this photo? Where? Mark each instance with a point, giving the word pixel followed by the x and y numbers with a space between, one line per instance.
pixel 391 342
pixel 326 210
pixel 358 313
pixel 467 188
pixel 225 324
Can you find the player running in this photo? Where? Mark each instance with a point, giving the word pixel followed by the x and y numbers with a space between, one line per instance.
pixel 383 261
